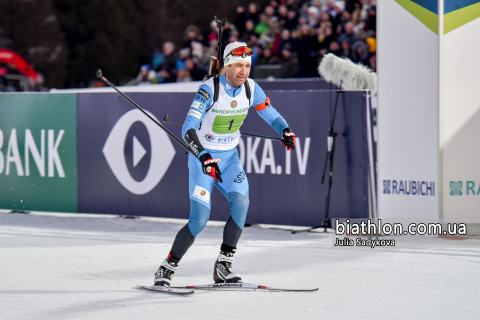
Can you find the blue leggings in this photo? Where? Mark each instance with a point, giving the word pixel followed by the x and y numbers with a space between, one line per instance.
pixel 234 187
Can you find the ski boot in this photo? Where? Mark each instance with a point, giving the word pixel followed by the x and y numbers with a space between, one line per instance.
pixel 223 271
pixel 165 272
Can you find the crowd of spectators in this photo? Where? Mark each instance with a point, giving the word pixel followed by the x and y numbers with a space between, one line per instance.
pixel 295 34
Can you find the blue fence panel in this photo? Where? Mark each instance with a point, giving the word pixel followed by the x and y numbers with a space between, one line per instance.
pixel 283 189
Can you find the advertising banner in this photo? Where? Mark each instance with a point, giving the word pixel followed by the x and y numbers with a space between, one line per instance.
pixel 429 115
pixel 460 113
pixel 38 152
pixel 129 166
pixel 408 99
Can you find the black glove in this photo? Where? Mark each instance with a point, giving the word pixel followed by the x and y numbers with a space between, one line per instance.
pixel 210 166
pixel 288 139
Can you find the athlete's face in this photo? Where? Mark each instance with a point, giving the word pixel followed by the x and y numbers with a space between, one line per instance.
pixel 237 73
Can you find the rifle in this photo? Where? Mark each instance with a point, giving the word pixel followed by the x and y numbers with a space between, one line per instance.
pixel 216 63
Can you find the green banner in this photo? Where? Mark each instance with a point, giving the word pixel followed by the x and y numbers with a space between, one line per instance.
pixel 38 152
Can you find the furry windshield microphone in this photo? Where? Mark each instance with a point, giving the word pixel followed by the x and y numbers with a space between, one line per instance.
pixel 348 75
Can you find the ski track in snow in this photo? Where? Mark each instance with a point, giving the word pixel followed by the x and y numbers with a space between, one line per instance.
pixel 54 267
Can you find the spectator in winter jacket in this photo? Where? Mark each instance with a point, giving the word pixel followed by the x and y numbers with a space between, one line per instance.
pixel 345 50
pixel 269 11
pixel 213 31
pixel 313 17
pixel 345 17
pixel 282 15
pixel 360 52
pixel 192 33
pixel 253 13
pixel 292 5
pixel 348 34
pixel 274 4
pixel 240 19
pixel 371 21
pixel 289 63
pixel 267 57
pixel 325 37
pixel 307 48
pixel 183 55
pixel 351 5
pixel 292 20
pixel 334 48
pixel 284 40
pixel 262 26
pixel 196 73
pixel 167 69
pixel 249 31
pixel 325 17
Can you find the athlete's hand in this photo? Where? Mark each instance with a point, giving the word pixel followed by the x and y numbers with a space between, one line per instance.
pixel 288 139
pixel 210 166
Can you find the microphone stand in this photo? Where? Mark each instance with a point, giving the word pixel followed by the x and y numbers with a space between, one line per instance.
pixel 332 135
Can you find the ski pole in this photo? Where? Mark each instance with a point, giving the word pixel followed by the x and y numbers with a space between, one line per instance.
pixel 166 119
pixel 101 77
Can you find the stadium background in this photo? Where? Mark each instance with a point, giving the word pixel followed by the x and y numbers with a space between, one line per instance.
pixel 427 99
pixel 67 41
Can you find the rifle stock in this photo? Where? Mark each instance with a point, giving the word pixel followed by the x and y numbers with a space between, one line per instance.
pixel 213 69
pixel 213 66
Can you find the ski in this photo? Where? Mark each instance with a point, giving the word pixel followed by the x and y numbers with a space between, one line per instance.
pixel 242 287
pixel 168 290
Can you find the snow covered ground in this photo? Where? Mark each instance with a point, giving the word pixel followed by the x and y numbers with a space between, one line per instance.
pixel 66 267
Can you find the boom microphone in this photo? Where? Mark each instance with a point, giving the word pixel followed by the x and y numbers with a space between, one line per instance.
pixel 346 74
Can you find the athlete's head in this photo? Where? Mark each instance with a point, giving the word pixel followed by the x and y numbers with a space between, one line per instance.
pixel 237 61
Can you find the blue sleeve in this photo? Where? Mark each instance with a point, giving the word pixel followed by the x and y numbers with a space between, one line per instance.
pixel 259 96
pixel 269 114
pixel 203 99
pixel 201 102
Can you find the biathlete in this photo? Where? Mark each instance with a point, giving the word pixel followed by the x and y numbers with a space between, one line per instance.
pixel 211 130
